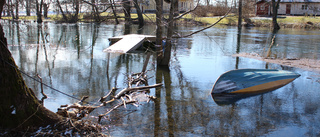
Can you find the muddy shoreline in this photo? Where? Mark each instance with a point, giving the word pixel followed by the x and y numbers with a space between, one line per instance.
pixel 305 64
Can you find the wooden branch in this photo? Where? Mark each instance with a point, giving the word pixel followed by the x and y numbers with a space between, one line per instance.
pixel 106 102
pixel 126 90
pixel 187 12
pixel 115 107
pixel 78 111
pixel 114 89
pixel 83 99
pixel 44 95
pixel 205 27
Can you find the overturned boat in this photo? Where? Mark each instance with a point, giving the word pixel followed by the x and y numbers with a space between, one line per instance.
pixel 252 81
pixel 238 84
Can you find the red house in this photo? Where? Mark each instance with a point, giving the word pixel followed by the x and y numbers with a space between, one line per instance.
pixel 263 8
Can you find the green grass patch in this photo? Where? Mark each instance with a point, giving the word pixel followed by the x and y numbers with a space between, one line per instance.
pixel 298 19
pixel 231 20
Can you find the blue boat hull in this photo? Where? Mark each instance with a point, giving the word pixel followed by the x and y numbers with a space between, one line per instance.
pixel 252 81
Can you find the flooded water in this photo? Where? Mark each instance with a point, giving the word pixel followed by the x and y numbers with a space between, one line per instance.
pixel 70 58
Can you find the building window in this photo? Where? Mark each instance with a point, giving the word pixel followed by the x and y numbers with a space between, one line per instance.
pixel 304 7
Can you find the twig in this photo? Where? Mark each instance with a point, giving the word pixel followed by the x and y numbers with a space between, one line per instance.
pixel 205 27
pixel 125 91
pixel 70 120
pixel 83 99
pixel 180 16
pixel 119 105
pixel 44 95
pixel 114 89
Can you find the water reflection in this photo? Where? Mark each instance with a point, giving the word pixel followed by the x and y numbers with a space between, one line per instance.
pixel 69 57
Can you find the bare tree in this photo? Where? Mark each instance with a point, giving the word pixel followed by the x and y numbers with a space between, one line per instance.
pixel 163 58
pixel 126 4
pixel 159 11
pixel 72 15
pixel 39 10
pixel 17 9
pixel 45 9
pixel 240 15
pixel 95 10
pixel 275 7
pixel 19 106
pixel 114 11
pixel 10 6
pixel 139 12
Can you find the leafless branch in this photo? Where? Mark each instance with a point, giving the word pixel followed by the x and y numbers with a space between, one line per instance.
pixel 205 27
pixel 187 12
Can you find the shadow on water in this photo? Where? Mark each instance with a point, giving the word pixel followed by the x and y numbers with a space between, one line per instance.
pixel 231 98
pixel 70 58
pixel 164 76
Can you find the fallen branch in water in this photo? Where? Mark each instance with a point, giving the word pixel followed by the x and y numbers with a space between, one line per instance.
pixel 130 95
pixel 127 90
pixel 115 107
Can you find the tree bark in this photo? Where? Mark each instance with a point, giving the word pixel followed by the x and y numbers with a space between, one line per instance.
pixel 62 12
pixel 114 11
pixel 17 9
pixel 275 7
pixel 159 5
pixel 139 12
pixel 240 15
pixel 77 8
pixel 45 10
pixel 19 107
pixel 28 7
pixel 127 11
pixel 167 51
pixel 10 8
pixel 39 11
pixel 2 2
pixel 67 16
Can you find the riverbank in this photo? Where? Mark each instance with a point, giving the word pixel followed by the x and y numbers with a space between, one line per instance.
pixel 303 22
pixel 305 64
pixel 284 21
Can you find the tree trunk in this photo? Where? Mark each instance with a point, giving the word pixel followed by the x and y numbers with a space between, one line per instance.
pixel 2 2
pixel 240 15
pixel 114 12
pixel 63 14
pixel 17 9
pixel 28 7
pixel 159 5
pixel 127 11
pixel 39 11
pixel 95 12
pixel 45 10
pixel 10 8
pixel 275 6
pixel 139 12
pixel 77 8
pixel 19 107
pixel 167 51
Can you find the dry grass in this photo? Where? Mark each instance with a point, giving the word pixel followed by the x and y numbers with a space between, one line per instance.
pixel 212 16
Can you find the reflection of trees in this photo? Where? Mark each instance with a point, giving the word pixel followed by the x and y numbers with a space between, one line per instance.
pixel 164 73
pixel 182 107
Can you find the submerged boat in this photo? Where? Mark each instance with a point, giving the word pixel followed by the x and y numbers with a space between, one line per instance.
pixel 252 81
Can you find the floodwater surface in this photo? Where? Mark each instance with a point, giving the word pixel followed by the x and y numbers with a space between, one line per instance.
pixel 70 58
